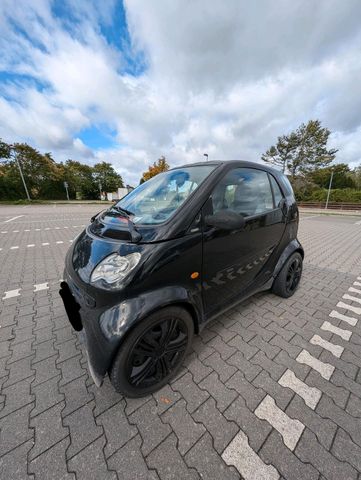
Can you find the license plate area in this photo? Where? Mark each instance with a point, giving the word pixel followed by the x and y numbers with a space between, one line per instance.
pixel 71 306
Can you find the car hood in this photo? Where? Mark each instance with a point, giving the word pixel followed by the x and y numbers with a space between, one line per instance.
pixel 113 225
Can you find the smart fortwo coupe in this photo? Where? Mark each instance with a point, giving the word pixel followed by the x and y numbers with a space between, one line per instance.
pixel 154 268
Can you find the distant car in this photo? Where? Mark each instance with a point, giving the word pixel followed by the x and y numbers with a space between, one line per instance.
pixel 184 246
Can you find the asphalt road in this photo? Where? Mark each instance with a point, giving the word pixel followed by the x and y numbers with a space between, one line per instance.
pixel 272 389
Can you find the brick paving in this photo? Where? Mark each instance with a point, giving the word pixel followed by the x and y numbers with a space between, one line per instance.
pixel 271 389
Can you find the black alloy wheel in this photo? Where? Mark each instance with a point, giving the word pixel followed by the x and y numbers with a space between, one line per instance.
pixel 155 355
pixel 293 275
pixel 289 277
pixel 153 352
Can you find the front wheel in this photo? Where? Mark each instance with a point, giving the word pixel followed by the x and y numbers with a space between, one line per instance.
pixel 289 277
pixel 152 353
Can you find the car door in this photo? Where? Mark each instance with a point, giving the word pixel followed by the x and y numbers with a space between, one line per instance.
pixel 234 260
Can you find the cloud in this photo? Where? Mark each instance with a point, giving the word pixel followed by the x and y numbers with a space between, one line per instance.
pixel 224 78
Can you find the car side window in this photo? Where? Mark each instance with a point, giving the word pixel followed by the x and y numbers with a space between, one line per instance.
pixel 246 191
pixel 277 193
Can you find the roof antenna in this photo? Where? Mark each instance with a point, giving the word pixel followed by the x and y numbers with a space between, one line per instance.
pixel 205 155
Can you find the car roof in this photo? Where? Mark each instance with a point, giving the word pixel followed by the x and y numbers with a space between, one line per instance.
pixel 234 163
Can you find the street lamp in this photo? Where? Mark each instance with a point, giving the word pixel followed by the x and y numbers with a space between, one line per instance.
pixel 21 174
pixel 206 155
pixel 329 189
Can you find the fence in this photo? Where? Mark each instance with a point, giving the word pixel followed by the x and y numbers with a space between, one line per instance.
pixel 331 205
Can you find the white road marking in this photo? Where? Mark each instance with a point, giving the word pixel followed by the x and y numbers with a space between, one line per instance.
pixel 31 245
pixel 354 290
pixel 358 223
pixel 59 241
pixel 290 429
pixel 311 395
pixel 14 248
pixel 324 369
pixel 13 218
pixel 247 462
pixel 11 294
pixel 41 286
pixel 37 229
pixel 45 243
pixel 5 231
pixel 15 231
pixel 346 306
pixel 350 320
pixel 27 230
pixel 345 334
pixel 57 228
pixel 336 350
pixel 352 298
pixel 358 284
pixel 47 228
pixel 0 249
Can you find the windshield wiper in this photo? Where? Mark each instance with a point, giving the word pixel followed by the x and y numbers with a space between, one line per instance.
pixel 135 235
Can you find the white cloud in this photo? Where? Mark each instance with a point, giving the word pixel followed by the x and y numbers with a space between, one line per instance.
pixel 224 78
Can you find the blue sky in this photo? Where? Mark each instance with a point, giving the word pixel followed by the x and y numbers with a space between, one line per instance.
pixel 129 82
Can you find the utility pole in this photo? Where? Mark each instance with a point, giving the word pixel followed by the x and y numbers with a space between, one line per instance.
pixel 206 155
pixel 329 189
pixel 21 174
pixel 66 189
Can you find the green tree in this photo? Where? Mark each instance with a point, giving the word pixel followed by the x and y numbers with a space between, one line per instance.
pixel 159 166
pixel 105 175
pixel 341 176
pixel 281 153
pixel 303 150
pixel 80 180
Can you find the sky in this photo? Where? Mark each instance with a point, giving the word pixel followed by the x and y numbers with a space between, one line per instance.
pixel 128 82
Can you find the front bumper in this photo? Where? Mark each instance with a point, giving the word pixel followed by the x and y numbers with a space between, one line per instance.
pixel 85 320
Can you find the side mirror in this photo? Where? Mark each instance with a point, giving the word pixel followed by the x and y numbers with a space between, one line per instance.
pixel 226 220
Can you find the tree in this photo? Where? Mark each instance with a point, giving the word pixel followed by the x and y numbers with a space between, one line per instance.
pixel 303 150
pixel 105 175
pixel 160 166
pixel 341 176
pixel 281 154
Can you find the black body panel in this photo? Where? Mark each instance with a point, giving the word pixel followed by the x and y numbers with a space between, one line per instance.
pixel 226 266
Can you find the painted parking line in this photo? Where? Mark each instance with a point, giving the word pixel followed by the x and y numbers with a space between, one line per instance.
pixel 311 395
pixel 345 334
pixel 346 306
pixel 241 456
pixel 354 290
pixel 43 244
pixel 41 286
pixel 357 284
pixel 13 218
pixel 345 318
pixel 11 293
pixel 324 369
pixel 42 229
pixel 336 350
pixel 290 429
pixel 351 297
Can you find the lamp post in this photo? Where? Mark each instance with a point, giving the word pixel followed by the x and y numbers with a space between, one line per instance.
pixel 329 189
pixel 21 175
pixel 206 155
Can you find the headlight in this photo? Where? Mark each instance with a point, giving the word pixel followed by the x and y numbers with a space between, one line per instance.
pixel 110 272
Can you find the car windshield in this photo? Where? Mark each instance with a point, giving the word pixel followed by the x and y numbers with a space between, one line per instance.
pixel 157 199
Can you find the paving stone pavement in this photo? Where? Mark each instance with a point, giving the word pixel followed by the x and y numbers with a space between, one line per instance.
pixel 270 390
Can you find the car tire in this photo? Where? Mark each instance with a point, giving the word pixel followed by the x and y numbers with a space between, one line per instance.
pixel 288 278
pixel 145 361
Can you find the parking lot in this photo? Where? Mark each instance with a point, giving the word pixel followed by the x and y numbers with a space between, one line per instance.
pixel 272 388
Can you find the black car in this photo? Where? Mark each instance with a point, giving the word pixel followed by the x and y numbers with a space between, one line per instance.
pixel 155 267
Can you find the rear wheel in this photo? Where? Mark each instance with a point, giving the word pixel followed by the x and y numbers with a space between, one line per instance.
pixel 289 277
pixel 152 353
